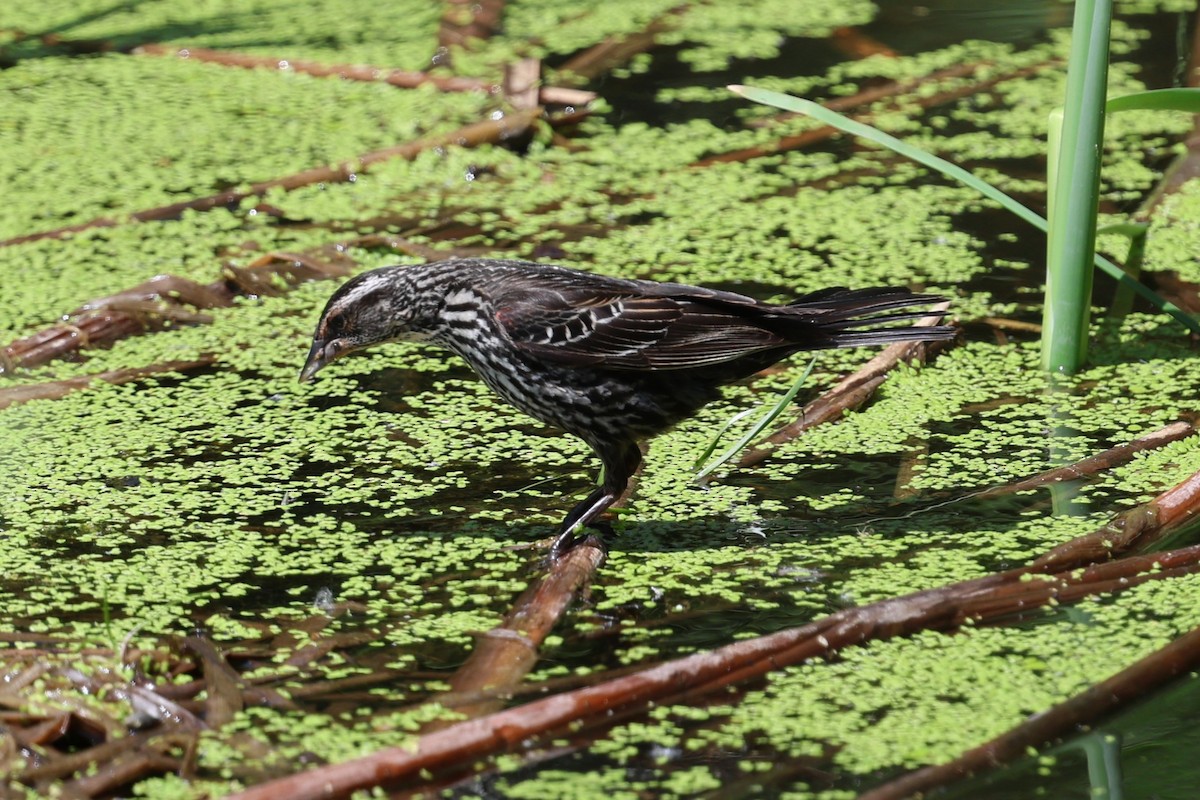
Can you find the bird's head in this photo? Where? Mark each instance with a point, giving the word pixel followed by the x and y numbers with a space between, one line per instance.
pixel 369 309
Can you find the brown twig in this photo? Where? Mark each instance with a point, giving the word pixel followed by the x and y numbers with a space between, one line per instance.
pixel 464 20
pixel 985 599
pixel 1139 527
pixel 66 44
pixel 223 686
pixel 853 391
pixel 1117 537
pixel 150 305
pixel 74 762
pixel 121 771
pixel 1003 324
pixel 464 743
pixel 1098 463
pixel 1084 709
pixel 405 79
pixel 521 82
pixel 14 395
pixel 851 42
pixel 616 50
pixel 512 124
pixel 503 656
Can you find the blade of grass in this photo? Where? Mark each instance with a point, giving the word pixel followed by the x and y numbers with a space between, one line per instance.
pixel 824 115
pixel 716 439
pixel 1178 99
pixel 1122 302
pixel 756 429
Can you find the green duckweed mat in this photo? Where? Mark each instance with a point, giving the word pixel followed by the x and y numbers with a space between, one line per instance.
pixel 392 510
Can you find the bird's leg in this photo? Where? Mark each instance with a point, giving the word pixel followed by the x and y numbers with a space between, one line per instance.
pixel 621 459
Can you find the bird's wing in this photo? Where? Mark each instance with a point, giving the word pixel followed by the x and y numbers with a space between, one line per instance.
pixel 621 327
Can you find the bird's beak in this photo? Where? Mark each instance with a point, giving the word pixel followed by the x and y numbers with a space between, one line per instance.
pixel 322 353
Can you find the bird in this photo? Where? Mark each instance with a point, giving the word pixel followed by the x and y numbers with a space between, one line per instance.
pixel 613 361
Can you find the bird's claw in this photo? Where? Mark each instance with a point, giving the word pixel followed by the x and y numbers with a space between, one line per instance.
pixel 596 534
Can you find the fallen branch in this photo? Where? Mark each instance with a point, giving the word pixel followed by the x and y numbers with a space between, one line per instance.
pixel 151 305
pixel 223 686
pixel 1139 527
pixel 980 600
pixel 852 391
pixel 853 43
pixel 503 656
pixel 405 79
pixel 510 125
pixel 14 395
pixel 464 20
pixel 521 79
pixel 1084 468
pixel 53 39
pixel 616 50
pixel 1084 709
pixel 1092 465
pixel 1001 323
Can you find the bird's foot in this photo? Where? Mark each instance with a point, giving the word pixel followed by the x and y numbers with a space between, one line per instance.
pixel 597 534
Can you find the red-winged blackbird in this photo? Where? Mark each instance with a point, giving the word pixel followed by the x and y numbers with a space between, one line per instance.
pixel 609 360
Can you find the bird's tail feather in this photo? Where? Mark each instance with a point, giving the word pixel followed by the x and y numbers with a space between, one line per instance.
pixel 852 317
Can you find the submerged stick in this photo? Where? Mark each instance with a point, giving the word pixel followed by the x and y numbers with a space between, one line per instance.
pixel 1084 468
pixel 151 304
pixel 985 599
pixel 459 745
pixel 1139 527
pixel 853 391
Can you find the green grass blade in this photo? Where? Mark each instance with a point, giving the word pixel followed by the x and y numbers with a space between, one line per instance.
pixel 716 439
pixel 1130 230
pixel 756 429
pixel 1178 99
pixel 1136 233
pixel 832 118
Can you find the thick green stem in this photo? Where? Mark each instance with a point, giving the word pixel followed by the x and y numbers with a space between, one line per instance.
pixel 1075 184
